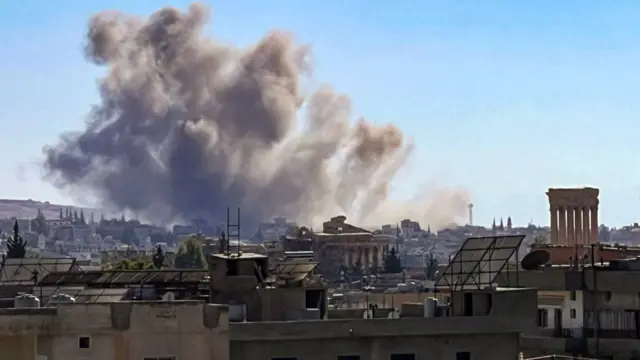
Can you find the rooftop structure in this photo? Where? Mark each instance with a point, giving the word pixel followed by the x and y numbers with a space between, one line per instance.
pixel 591 307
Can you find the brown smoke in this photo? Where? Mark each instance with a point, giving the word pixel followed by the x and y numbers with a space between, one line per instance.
pixel 188 127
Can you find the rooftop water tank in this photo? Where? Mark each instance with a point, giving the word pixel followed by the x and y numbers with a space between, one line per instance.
pixel 61 299
pixel 237 312
pixel 430 306
pixel 26 301
pixel 169 296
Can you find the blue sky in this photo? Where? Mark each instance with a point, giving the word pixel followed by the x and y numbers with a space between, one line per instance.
pixel 506 98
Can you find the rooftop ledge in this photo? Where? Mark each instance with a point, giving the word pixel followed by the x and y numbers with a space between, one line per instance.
pixel 50 311
pixel 315 329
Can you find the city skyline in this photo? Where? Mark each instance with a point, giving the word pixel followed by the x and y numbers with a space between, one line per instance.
pixel 505 100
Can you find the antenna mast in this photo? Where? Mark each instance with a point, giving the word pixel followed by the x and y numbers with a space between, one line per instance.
pixel 233 231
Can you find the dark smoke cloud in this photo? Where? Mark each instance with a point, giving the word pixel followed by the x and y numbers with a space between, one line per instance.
pixel 187 127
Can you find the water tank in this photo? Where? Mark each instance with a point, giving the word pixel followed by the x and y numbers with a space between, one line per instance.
pixel 61 299
pixel 169 296
pixel 237 312
pixel 430 306
pixel 26 301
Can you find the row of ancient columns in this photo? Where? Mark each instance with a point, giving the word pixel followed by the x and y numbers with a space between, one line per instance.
pixel 574 225
pixel 366 256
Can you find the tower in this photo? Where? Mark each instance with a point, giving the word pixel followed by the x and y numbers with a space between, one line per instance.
pixel 470 214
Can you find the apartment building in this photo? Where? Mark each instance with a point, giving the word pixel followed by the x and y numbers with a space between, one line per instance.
pixel 588 309
pixel 193 330
pixel 115 331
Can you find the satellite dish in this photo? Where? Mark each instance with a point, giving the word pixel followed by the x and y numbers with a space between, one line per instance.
pixel 535 259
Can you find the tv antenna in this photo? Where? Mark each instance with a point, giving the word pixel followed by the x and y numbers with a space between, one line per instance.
pixel 233 231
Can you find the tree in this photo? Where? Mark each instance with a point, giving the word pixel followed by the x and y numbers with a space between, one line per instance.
pixel 129 236
pixel 16 245
pixel 431 267
pixel 126 264
pixel 190 255
pixel 39 224
pixel 392 264
pixel 539 240
pixel 158 258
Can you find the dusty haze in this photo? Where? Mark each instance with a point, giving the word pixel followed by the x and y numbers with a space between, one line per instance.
pixel 187 127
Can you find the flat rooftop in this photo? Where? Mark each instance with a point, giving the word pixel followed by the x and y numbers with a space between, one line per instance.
pixel 341 328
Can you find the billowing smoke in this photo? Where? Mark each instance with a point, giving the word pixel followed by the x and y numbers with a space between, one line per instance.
pixel 187 127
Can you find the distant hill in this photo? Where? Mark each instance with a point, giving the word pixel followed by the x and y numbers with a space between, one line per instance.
pixel 23 209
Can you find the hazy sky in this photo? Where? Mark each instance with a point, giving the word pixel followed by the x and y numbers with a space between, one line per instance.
pixel 506 98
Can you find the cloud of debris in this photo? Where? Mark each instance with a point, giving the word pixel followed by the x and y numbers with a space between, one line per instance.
pixel 187 127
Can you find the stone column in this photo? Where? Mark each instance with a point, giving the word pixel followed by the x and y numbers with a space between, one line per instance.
pixel 586 229
pixel 367 257
pixel 562 226
pixel 554 224
pixel 571 226
pixel 594 224
pixel 577 219
pixel 347 258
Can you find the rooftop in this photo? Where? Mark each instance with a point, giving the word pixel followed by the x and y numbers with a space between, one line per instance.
pixel 238 255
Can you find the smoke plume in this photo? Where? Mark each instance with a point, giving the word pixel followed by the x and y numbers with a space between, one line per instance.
pixel 187 127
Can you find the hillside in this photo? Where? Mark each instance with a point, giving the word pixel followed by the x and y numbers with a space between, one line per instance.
pixel 29 208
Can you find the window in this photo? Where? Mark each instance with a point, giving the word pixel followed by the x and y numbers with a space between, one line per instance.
pixel 463 355
pixel 84 342
pixel 573 313
pixel 543 318
pixel 572 295
pixel 402 357
pixel 348 357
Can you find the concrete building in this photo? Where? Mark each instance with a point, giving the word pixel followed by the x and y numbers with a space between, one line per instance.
pixel 588 310
pixel 116 331
pixel 196 331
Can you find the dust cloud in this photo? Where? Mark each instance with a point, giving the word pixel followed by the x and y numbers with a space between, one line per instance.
pixel 187 127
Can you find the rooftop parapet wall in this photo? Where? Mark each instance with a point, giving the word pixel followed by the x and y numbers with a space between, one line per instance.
pixel 565 278
pixel 152 316
pixel 328 329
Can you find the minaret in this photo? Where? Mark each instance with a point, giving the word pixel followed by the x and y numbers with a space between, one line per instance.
pixel 470 214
